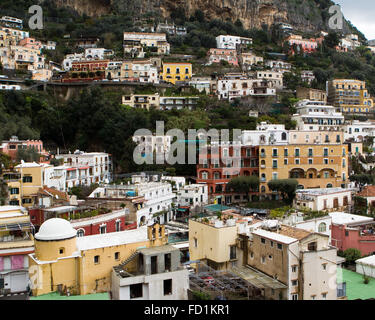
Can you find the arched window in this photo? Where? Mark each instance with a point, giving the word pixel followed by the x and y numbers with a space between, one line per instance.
pixel 322 227
pixel 80 232
pixel 283 136
pixel 204 175
pixel 329 185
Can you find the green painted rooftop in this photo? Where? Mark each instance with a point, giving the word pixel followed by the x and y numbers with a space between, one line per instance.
pixel 57 296
pixel 355 287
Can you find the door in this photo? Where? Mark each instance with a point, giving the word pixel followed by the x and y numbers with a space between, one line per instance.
pixel 18 281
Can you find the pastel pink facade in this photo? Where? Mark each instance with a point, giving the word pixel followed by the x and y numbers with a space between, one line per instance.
pixel 229 55
pixel 13 145
pixel 307 45
pixel 31 43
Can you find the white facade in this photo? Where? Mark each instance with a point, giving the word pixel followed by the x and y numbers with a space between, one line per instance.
pixel 279 65
pixel 265 134
pixel 179 182
pixel 201 84
pixel 330 199
pixel 276 78
pixel 98 53
pixel 231 42
pixel 70 58
pixel 86 168
pixel 152 143
pixel 307 76
pixel 366 266
pixel 146 72
pixel 358 130
pixel 317 116
pixel 55 177
pixel 193 195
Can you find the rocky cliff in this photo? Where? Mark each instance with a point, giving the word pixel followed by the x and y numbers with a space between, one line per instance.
pixel 306 15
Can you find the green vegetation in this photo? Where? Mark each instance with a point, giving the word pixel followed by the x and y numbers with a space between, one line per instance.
pixel 287 188
pixel 28 155
pixel 280 212
pixel 351 255
pixel 83 192
pixel 243 184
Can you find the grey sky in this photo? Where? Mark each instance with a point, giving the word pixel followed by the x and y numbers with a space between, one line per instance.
pixel 361 14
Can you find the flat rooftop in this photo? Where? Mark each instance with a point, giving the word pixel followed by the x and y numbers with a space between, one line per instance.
pixel 370 260
pixel 348 219
pixel 355 288
pixel 322 191
pixel 156 250
pixel 112 239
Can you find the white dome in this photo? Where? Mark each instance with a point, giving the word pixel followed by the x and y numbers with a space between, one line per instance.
pixel 55 229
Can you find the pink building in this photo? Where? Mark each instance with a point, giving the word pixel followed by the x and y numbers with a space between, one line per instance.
pixel 353 231
pixel 10 147
pixel 31 43
pixel 229 55
pixel 307 45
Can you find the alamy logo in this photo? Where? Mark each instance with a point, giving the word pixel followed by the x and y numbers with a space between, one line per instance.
pixel 335 22
pixel 36 276
pixel 36 20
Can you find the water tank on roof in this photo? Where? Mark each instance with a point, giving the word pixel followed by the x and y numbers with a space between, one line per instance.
pixel 130 193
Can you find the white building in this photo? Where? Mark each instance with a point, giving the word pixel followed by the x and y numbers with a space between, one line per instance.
pixel 145 72
pixel 327 199
pixel 201 84
pixel 358 130
pixel 265 134
pixel 317 116
pixel 176 102
pixel 10 87
pixel 231 42
pixel 15 245
pixel 49 45
pixel 86 168
pixel 279 65
pixel 193 195
pixel 56 177
pixel 98 53
pixel 366 266
pixel 177 182
pixel 153 143
pixel 307 76
pixel 158 276
pixel 318 225
pixel 70 58
pixel 276 78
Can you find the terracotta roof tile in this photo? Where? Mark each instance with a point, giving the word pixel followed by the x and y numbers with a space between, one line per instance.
pixel 293 232
pixel 368 191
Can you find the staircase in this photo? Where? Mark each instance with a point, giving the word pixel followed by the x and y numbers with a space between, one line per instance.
pixel 132 256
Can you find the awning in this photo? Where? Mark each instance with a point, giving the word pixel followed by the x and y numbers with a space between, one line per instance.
pixel 16 226
pixel 257 278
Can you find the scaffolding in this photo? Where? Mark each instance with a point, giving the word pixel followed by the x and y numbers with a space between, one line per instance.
pixel 222 284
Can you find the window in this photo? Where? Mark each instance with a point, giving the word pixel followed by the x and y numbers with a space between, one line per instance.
pixel 80 232
pixel 324 266
pixel 270 256
pixel 232 252
pixel 14 191
pixel 27 179
pixel 294 282
pixel 136 291
pixel 118 226
pixel 262 240
pixel 322 227
pixel 285 152
pixel 310 161
pixel 274 164
pixel 310 153
pixel 96 259
pixel 297 161
pixel 103 229
pixel 61 250
pixel 324 296
pixel 294 268
pixel 26 201
pixel 271 243
pixel 312 246
pixel 279 246
pixel 167 285
pixel 263 259
pixel 296 152
pixel 117 255
pixel 294 296
pixel 195 242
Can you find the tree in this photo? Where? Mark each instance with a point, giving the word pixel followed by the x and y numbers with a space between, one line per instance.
pixel 4 161
pixel 331 40
pixel 28 155
pixel 287 187
pixel 243 184
pixel 351 255
pixel 362 179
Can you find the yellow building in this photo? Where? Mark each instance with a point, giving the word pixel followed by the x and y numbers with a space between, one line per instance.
pixel 176 72
pixel 82 265
pixel 349 96
pixel 24 183
pixel 316 159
